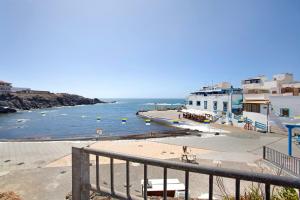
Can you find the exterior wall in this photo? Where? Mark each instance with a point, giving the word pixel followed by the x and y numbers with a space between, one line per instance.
pixel 223 85
pixel 290 102
pixel 284 77
pixel 210 99
pixel 235 99
pixel 252 86
pixel 256 97
pixel 256 117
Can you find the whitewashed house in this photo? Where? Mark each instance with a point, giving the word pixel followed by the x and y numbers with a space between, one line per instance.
pixel 218 100
pixel 270 102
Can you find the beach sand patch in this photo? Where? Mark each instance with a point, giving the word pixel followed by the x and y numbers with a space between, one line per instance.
pixel 141 148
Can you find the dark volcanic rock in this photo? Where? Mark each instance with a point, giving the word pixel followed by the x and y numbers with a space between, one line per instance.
pixel 7 110
pixel 34 101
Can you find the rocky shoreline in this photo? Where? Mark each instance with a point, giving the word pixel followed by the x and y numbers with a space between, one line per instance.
pixel 13 102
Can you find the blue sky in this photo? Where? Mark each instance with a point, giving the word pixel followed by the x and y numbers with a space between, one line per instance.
pixel 154 48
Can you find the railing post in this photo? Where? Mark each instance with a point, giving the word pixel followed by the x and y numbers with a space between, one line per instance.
pixel 267 192
pixel 264 152
pixel 80 174
pixel 145 182
pixel 127 180
pixel 165 184
pixel 97 173
pixel 112 190
pixel 237 189
pixel 187 176
pixel 211 184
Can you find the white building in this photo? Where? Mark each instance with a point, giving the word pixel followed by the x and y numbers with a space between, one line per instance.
pixel 264 99
pixel 221 99
pixel 5 87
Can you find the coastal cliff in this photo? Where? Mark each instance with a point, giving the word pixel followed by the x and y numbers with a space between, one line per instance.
pixel 26 101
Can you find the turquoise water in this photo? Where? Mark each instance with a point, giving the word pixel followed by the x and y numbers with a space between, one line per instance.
pixel 81 121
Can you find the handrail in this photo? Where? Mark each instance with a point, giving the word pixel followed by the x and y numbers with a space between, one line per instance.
pixel 81 185
pixel 284 161
pixel 216 171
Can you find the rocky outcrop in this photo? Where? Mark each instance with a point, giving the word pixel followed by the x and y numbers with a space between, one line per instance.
pixel 29 101
pixel 7 110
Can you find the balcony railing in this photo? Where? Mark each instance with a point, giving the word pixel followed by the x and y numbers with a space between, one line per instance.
pixel 81 184
pixel 286 162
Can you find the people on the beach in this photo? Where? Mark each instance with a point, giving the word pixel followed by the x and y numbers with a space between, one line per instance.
pixel 184 148
pixel 198 118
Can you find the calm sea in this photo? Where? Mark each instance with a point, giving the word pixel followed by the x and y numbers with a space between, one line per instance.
pixel 82 121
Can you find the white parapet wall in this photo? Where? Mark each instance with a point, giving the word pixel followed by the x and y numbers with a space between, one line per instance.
pixel 256 117
pixel 290 102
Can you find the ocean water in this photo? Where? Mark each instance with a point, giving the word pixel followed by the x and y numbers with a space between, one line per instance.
pixel 82 121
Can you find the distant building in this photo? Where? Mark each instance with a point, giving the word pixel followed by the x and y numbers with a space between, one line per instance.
pixel 20 90
pixel 263 98
pixel 220 99
pixel 5 87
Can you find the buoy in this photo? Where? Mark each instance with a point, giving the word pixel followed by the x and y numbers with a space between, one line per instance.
pixel 206 121
pixel 175 122
pixel 124 120
pixel 148 122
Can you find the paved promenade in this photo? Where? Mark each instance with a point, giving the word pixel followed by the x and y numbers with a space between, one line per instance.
pixel 42 170
pixel 28 155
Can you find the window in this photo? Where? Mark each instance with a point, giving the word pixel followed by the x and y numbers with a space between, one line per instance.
pixel 215 105
pixel 190 103
pixel 248 107
pixel 225 106
pixel 198 103
pixel 284 112
pixel 205 104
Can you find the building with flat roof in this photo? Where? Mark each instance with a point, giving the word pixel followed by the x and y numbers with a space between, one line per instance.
pixel 218 100
pixel 262 99
pixel 5 87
